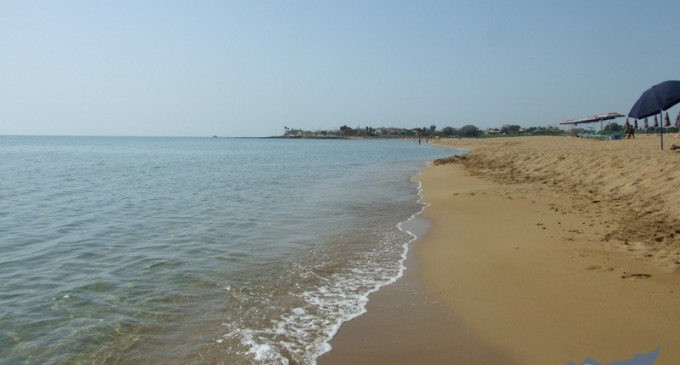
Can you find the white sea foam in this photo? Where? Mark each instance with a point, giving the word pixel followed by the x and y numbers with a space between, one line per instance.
pixel 343 296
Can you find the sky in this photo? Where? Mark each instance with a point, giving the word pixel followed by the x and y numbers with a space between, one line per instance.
pixel 251 68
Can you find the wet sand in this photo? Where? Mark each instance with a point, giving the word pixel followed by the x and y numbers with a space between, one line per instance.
pixel 404 325
pixel 543 250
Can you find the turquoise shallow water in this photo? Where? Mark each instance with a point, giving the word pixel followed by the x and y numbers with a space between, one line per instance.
pixel 195 250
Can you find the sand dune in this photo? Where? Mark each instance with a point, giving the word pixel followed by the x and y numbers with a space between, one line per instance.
pixel 632 179
pixel 558 248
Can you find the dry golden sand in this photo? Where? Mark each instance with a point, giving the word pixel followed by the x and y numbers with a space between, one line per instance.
pixel 543 250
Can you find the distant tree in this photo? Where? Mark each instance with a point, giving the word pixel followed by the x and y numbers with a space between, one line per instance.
pixel 448 131
pixel 368 131
pixel 510 129
pixel 470 131
pixel 347 131
pixel 550 131
pixel 432 129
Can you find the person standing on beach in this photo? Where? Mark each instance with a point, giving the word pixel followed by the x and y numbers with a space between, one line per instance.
pixel 631 132
pixel 628 130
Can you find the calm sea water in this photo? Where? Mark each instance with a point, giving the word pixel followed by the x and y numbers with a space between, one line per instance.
pixel 196 250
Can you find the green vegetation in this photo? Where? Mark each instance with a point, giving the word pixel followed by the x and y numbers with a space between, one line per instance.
pixel 467 131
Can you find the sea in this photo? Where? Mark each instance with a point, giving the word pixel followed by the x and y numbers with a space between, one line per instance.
pixel 139 250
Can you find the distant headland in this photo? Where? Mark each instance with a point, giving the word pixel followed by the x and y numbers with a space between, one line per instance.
pixel 467 131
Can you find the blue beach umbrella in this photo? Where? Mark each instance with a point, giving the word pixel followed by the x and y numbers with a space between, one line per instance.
pixel 666 121
pixel 656 100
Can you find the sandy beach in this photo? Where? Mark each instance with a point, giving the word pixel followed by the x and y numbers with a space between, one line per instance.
pixel 542 250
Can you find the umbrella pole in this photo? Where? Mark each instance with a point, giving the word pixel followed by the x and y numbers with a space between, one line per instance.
pixel 661 124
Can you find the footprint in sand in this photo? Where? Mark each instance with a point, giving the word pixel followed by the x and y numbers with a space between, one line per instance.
pixel 635 276
pixel 600 268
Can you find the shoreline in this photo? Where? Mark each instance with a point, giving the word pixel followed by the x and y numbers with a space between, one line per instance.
pixel 404 325
pixel 588 269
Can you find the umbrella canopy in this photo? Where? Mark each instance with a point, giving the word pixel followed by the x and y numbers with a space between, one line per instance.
pixel 656 99
pixel 608 116
pixel 666 120
pixel 593 118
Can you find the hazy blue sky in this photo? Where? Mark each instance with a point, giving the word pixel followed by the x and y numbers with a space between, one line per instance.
pixel 249 68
